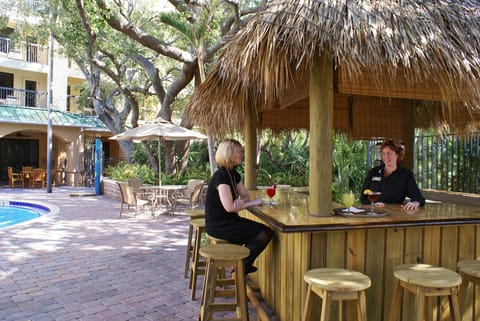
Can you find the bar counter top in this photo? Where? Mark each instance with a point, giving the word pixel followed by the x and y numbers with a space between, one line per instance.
pixel 440 234
pixel 290 219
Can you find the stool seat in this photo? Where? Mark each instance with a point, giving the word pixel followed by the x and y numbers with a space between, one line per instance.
pixel 425 281
pixel 338 280
pixel 427 275
pixel 225 252
pixel 199 213
pixel 470 272
pixel 470 267
pixel 334 284
pixel 216 285
pixel 214 240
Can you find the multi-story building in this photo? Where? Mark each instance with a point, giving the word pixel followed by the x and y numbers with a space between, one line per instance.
pixel 24 73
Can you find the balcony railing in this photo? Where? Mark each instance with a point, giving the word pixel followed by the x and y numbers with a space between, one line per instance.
pixel 23 51
pixel 23 97
pixel 30 98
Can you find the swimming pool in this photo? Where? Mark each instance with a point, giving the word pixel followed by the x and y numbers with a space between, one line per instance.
pixel 15 212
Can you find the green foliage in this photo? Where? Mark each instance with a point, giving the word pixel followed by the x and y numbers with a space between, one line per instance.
pixel 198 165
pixel 124 171
pixel 198 157
pixel 284 159
pixel 349 159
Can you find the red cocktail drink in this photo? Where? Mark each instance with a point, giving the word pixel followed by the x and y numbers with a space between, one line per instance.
pixel 373 197
pixel 271 192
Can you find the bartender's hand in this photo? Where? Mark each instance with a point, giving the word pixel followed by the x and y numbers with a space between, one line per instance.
pixel 410 206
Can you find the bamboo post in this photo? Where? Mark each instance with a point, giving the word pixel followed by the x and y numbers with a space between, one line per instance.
pixel 321 134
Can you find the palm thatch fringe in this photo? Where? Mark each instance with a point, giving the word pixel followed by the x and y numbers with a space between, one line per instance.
pixel 426 42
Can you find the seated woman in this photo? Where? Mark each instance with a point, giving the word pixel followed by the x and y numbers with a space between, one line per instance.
pixel 226 195
pixel 392 180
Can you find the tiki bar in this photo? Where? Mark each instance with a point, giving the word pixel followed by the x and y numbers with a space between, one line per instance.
pixel 370 69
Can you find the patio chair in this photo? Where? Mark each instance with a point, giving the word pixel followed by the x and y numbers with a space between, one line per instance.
pixel 39 177
pixel 27 169
pixel 143 194
pixel 130 198
pixel 14 178
pixel 191 196
pixel 134 182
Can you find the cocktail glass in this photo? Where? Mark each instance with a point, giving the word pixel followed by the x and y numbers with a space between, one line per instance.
pixel 373 196
pixel 348 199
pixel 271 193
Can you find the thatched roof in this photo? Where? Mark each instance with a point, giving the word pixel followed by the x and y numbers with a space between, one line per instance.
pixel 405 50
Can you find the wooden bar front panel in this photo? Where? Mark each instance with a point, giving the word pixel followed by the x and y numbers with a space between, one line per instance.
pixel 374 251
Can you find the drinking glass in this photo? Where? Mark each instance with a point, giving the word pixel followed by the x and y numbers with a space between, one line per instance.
pixel 373 196
pixel 271 193
pixel 348 199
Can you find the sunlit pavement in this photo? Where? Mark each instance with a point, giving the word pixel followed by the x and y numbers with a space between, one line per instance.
pixel 86 263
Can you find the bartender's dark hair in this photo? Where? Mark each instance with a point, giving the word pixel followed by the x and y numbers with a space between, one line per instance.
pixel 396 146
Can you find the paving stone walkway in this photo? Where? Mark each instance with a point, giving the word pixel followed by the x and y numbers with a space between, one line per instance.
pixel 85 263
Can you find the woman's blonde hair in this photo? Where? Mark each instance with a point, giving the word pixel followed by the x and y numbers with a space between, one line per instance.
pixel 397 147
pixel 225 155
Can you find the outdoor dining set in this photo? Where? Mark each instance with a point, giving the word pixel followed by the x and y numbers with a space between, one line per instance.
pixel 164 198
pixel 29 177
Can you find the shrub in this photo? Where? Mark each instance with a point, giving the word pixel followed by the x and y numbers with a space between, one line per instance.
pixel 123 171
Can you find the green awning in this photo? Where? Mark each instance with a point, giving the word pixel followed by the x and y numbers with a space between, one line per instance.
pixel 39 116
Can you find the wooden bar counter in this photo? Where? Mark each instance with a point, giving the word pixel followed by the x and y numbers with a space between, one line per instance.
pixel 439 234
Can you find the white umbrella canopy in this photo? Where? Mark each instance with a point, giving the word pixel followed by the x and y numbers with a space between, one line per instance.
pixel 160 130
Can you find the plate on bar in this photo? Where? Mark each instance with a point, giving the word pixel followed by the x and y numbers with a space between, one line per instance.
pixel 359 212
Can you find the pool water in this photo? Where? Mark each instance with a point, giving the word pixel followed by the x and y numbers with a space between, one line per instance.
pixel 17 212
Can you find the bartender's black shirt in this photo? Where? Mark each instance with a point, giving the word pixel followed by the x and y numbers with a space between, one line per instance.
pixel 394 188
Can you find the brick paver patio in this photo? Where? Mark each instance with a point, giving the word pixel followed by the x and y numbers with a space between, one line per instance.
pixel 85 263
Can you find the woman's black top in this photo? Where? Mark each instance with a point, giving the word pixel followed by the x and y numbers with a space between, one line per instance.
pixel 222 224
pixel 398 185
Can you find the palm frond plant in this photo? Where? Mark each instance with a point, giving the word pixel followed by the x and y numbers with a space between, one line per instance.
pixel 349 159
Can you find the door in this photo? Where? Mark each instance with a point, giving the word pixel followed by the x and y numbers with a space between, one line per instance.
pixel 30 93
pixel 6 85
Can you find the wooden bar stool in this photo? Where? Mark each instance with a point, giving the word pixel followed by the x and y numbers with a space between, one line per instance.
pixel 332 284
pixel 425 281
pixel 198 265
pixel 469 270
pixel 213 240
pixel 219 256
pixel 194 214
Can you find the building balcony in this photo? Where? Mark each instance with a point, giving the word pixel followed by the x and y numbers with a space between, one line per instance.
pixel 23 97
pixel 31 98
pixel 23 51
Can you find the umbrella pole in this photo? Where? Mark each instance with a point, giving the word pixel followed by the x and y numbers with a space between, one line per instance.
pixel 159 163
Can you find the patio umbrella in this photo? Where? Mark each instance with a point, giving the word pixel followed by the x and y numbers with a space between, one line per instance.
pixel 160 130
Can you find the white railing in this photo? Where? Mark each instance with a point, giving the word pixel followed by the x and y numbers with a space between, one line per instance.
pixel 24 51
pixel 22 97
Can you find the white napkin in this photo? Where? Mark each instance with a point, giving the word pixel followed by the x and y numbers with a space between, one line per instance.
pixel 353 210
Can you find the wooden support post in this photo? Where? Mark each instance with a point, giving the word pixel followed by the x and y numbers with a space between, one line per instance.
pixel 321 134
pixel 409 136
pixel 250 150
